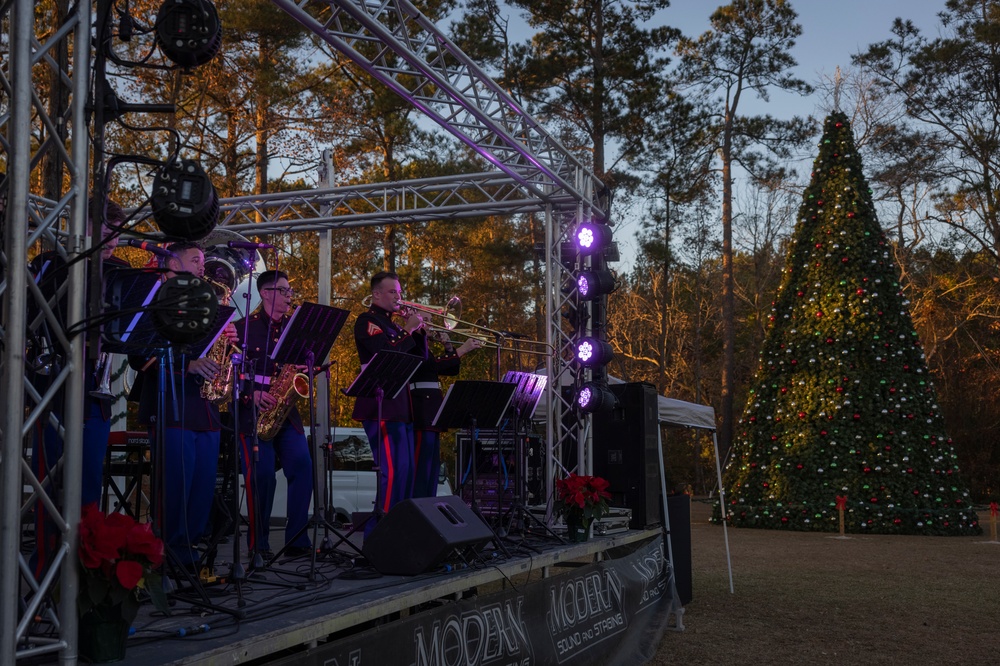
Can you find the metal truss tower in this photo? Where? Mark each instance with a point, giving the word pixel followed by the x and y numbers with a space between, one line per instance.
pixel 45 144
pixel 44 147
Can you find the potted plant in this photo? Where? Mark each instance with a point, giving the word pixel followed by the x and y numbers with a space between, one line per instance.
pixel 581 499
pixel 118 557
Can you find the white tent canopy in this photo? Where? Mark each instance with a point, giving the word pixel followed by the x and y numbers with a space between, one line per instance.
pixel 687 414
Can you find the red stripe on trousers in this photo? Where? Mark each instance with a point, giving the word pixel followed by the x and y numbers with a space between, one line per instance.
pixel 387 458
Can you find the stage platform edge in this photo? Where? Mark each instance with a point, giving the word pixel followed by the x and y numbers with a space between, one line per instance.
pixel 256 640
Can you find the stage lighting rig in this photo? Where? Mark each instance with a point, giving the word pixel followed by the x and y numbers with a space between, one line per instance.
pixel 594 397
pixel 188 31
pixel 185 204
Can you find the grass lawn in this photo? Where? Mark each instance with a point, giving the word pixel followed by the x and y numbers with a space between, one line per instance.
pixel 808 598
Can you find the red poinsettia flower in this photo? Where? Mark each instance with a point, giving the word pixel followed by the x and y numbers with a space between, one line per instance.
pixel 128 573
pixel 142 541
pixel 116 529
pixel 97 543
pixel 582 497
pixel 117 555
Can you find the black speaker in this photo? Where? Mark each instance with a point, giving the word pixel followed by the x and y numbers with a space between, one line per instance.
pixel 679 509
pixel 417 535
pixel 625 444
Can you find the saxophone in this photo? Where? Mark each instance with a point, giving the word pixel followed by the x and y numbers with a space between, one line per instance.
pixel 284 387
pixel 217 390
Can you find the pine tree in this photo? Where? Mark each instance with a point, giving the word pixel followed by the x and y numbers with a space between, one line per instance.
pixel 843 404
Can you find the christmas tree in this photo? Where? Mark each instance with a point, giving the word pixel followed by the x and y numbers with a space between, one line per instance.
pixel 843 405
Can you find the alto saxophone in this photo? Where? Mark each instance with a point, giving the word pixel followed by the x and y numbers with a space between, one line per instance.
pixel 217 390
pixel 284 387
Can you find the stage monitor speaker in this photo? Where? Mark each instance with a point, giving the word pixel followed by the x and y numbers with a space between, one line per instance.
pixel 418 535
pixel 625 454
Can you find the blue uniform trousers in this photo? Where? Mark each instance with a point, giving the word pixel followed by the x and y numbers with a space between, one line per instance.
pixel 293 450
pixel 392 448
pixel 190 465
pixel 427 451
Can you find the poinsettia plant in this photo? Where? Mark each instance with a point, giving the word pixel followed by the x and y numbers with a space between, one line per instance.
pixel 118 557
pixel 582 498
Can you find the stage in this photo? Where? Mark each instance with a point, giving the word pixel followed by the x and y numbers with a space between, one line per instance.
pixel 288 616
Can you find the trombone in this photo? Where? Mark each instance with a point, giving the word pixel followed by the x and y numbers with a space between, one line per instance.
pixel 500 340
pixel 451 314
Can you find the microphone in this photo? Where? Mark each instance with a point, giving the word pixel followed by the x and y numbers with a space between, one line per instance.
pixel 150 247
pixel 512 334
pixel 247 245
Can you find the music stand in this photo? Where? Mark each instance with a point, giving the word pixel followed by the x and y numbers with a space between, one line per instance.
pixel 475 404
pixel 308 336
pixel 133 330
pixel 129 293
pixel 386 374
pixel 527 394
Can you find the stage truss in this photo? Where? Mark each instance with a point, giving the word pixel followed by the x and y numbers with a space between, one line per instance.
pixel 390 40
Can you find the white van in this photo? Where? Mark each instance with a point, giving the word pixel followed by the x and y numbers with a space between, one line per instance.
pixel 350 478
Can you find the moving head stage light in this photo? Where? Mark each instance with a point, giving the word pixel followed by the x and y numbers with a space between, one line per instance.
pixel 188 31
pixel 185 204
pixel 142 309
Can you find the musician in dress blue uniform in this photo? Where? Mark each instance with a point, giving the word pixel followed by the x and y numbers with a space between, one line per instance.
pixel 49 273
pixel 190 454
pixel 426 398
pixel 392 439
pixel 289 446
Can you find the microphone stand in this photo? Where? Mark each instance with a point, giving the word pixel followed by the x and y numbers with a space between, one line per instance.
pixel 256 560
pixel 166 358
pixel 498 337
pixel 327 544
pixel 236 572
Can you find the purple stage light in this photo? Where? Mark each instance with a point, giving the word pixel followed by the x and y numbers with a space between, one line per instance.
pixel 592 352
pixel 594 397
pixel 592 237
pixel 593 284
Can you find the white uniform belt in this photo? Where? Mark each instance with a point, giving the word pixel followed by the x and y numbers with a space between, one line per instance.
pixel 425 385
pixel 262 379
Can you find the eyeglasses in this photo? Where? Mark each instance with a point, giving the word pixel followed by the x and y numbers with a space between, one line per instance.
pixel 287 292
